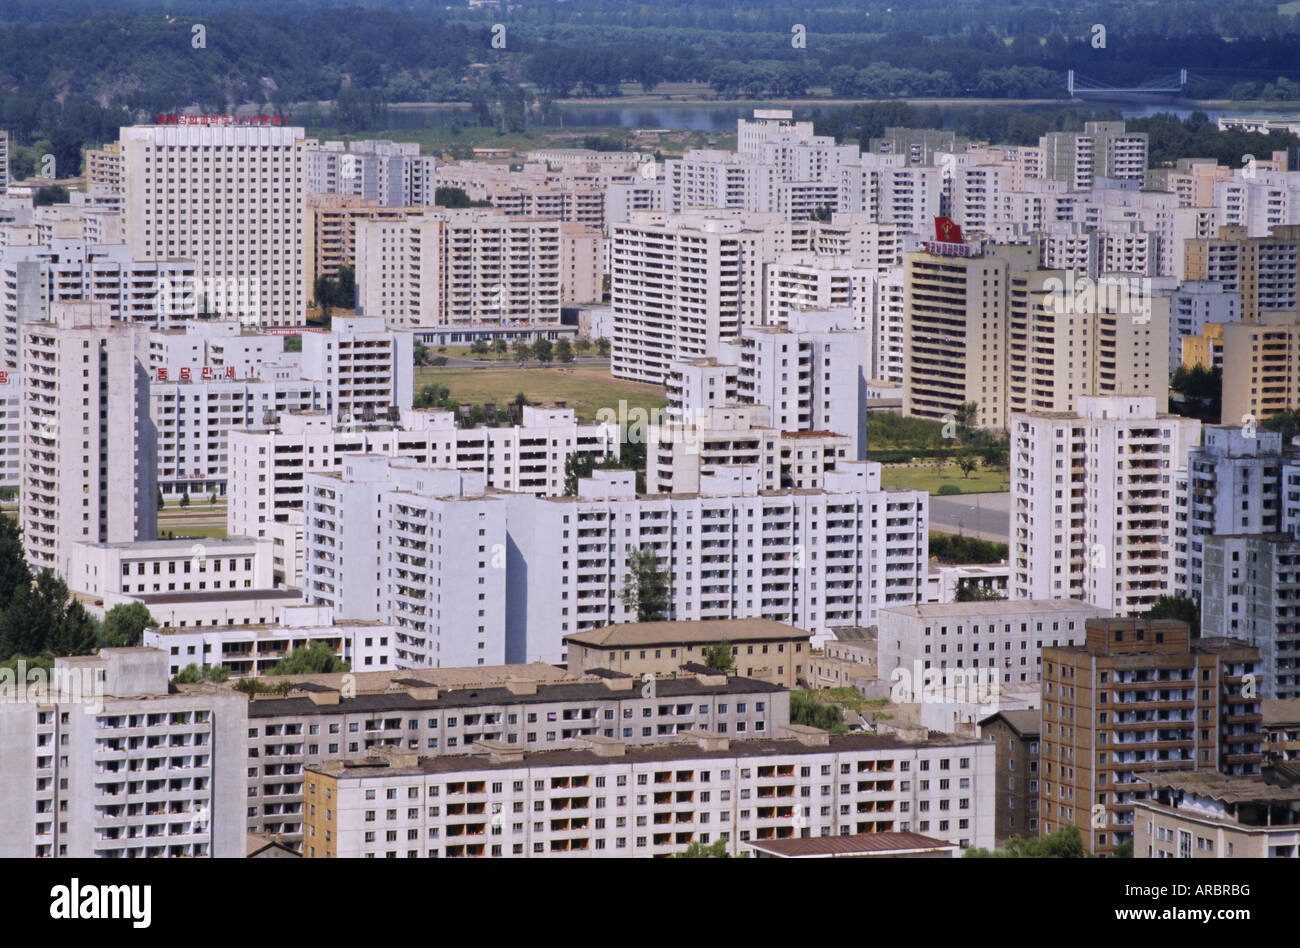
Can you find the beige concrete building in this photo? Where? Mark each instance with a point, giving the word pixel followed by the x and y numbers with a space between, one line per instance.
pixel 476 267
pixel 1207 815
pixel 1139 697
pixel 1073 336
pixel 1281 729
pixel 331 231
pixel 762 649
pixel 1264 270
pixel 582 263
pixel 956 330
pixel 1260 362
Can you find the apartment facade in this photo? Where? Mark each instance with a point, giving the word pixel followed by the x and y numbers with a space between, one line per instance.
pixel 232 199
pixel 115 767
pixel 268 462
pixel 1016 737
pixel 1139 697
pixel 1097 498
pixel 436 717
pixel 88 450
pixel 476 267
pixel 1006 638
pixel 612 800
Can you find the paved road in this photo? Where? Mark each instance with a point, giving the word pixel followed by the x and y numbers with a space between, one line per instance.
pixel 986 516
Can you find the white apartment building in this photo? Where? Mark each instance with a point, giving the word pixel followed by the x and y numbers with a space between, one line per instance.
pixel 115 767
pixel 367 370
pixel 1004 639
pixel 679 286
pixel 677 454
pixel 393 174
pixel 209 378
pixel 420 548
pixel 232 200
pixel 1101 150
pixel 775 555
pixel 463 267
pixel 268 462
pixel 811 374
pixel 88 450
pixel 1234 490
pixel 1098 503
pixel 619 801
pixel 249 651
pixel 445 712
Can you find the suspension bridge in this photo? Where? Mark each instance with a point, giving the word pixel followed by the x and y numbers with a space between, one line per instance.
pixel 1083 87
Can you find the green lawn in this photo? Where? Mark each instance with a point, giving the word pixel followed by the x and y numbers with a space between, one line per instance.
pixel 183 531
pixel 584 388
pixel 925 477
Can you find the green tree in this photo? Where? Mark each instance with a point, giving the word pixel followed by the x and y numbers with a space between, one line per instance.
pixel 719 657
pixel 14 572
pixel 807 710
pixel 479 347
pixel 1176 607
pixel 523 351
pixel 582 346
pixel 645 586
pixel 543 351
pixel 185 497
pixel 564 351
pixel 967 463
pixel 192 674
pixel 602 347
pixel 697 850
pixel 499 345
pixel 576 466
pixel 315 658
pixel 969 591
pixel 124 626
pixel 420 352
pixel 1065 843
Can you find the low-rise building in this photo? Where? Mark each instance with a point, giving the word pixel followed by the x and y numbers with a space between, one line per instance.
pixel 446 711
pixel 1207 815
pixel 608 799
pixel 762 649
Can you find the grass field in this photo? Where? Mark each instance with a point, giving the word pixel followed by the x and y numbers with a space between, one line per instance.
pixel 925 477
pixel 584 388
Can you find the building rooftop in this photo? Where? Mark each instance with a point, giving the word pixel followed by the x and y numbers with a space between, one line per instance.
pixel 1025 723
pixel 1221 787
pixel 706 632
pixel 222 595
pixel 701 746
pixel 1277 711
pixel 859 844
pixel 996 607
pixel 491 696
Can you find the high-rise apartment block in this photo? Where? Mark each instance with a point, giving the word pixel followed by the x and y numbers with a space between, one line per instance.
pixel 229 198
pixel 1138 697
pixel 88 446
pixel 112 765
pixel 1101 150
pixel 1096 512
pixel 391 174
pixel 463 267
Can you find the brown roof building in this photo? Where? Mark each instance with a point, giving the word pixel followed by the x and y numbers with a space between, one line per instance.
pixel 760 648
pixel 1016 737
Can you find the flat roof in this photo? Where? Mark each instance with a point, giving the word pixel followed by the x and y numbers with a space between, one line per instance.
pixel 216 595
pixel 996 607
pixel 687 749
pixel 1280 711
pixel 500 695
pixel 1221 787
pixel 710 631
pixel 858 844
